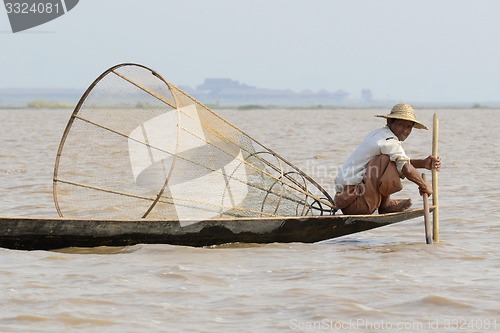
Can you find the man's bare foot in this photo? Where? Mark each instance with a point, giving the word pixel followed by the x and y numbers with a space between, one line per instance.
pixel 395 206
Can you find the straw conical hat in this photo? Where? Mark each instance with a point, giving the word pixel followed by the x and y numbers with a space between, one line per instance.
pixel 405 112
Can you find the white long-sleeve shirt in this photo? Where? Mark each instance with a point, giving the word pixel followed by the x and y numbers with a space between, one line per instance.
pixel 380 141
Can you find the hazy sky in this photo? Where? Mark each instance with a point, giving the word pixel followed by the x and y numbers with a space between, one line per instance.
pixel 418 50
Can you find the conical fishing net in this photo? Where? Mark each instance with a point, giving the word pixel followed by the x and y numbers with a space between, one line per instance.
pixel 136 146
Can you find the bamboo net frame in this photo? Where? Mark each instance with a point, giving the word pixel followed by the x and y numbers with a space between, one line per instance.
pixel 196 164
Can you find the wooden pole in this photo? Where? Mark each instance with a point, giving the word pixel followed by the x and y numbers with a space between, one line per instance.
pixel 435 196
pixel 427 218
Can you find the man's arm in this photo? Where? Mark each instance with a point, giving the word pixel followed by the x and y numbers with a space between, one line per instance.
pixel 427 163
pixel 413 175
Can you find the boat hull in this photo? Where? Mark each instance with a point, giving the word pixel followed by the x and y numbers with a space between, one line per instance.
pixel 28 233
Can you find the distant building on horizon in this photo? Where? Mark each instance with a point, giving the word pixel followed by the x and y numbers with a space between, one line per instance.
pixel 229 92
pixel 366 96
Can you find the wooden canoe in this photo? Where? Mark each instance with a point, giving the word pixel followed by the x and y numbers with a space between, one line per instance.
pixel 29 233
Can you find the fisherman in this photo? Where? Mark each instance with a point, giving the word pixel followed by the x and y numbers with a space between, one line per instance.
pixel 373 172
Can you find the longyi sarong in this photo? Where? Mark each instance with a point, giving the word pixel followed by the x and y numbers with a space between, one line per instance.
pixel 381 180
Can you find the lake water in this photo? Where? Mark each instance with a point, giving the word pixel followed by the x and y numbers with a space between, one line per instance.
pixel 384 280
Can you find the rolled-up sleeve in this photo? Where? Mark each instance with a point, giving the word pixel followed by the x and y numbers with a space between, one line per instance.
pixel 393 148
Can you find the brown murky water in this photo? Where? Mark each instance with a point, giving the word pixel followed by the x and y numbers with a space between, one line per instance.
pixel 385 280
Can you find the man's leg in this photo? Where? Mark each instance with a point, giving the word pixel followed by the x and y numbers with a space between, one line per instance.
pixel 389 183
pixel 380 181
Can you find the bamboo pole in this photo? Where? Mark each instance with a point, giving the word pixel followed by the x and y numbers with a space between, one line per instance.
pixel 435 196
pixel 427 218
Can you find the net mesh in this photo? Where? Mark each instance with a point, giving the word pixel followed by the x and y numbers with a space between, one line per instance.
pixel 136 146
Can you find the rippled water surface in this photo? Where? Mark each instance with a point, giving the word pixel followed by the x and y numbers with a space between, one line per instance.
pixel 384 280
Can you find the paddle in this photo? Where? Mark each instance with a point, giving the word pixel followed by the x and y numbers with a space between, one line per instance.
pixel 427 218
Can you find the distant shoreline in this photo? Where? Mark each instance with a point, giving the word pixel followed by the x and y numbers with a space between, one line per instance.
pixel 25 98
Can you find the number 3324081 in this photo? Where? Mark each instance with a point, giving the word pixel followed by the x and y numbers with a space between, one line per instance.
pixel 35 8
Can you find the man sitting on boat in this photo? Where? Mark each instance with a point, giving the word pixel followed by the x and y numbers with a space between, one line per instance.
pixel 373 172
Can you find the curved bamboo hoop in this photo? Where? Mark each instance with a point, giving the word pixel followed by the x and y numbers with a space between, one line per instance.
pixel 328 201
